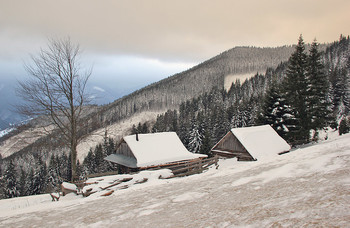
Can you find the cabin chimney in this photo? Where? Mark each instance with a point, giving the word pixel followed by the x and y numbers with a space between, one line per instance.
pixel 137 136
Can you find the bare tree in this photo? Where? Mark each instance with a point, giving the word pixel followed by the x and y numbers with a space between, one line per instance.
pixel 56 88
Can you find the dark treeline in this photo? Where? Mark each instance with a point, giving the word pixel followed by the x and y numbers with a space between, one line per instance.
pixel 46 177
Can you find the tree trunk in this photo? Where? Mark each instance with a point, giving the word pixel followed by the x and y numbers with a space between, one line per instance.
pixel 74 161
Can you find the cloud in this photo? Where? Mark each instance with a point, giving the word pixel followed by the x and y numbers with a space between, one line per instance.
pixel 174 30
pixel 98 89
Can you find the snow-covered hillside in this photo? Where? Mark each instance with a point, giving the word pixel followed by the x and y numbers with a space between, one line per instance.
pixel 115 130
pixel 19 141
pixel 26 137
pixel 309 186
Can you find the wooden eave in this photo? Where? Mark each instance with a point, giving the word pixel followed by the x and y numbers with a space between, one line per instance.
pixel 233 153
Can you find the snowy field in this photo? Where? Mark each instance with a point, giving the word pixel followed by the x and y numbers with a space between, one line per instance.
pixel 308 187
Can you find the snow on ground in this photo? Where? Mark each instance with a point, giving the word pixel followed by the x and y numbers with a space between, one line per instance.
pixel 100 186
pixel 309 186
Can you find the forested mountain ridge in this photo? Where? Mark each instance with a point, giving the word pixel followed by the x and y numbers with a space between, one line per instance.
pixel 169 93
pixel 204 120
pixel 198 104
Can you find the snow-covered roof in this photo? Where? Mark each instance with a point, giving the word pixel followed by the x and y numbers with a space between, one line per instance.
pixel 261 141
pixel 154 149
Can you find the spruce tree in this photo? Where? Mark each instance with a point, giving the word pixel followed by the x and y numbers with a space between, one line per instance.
pixel 89 162
pixel 317 93
pixel 99 159
pixel 10 181
pixel 295 94
pixel 53 176
pixel 107 149
pixel 275 112
pixel 195 140
pixel 22 183
pixel 342 92
pixel 206 144
pixel 39 182
pixel 29 183
pixel 64 164
pixel 241 118
pixel 344 126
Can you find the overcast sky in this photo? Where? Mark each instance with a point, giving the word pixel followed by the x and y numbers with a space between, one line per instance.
pixel 134 42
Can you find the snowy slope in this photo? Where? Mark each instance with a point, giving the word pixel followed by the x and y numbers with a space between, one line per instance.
pixel 115 130
pixel 25 138
pixel 306 187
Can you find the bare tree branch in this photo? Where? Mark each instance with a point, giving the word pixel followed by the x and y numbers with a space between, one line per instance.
pixel 57 89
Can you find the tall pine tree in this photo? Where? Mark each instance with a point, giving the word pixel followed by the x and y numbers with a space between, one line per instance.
pixel 39 182
pixel 319 106
pixel 10 182
pixel 295 94
pixel 195 140
pixel 275 112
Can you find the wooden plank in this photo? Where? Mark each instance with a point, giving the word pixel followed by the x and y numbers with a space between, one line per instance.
pixel 108 193
pixel 170 165
pixel 231 154
pixel 118 182
pixel 197 167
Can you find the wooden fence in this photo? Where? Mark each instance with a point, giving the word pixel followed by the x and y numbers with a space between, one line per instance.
pixel 183 168
pixel 192 167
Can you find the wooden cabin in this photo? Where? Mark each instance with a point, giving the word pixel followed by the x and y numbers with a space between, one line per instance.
pixel 251 144
pixel 142 151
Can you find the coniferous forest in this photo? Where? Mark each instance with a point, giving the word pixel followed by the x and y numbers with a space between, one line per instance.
pixel 298 98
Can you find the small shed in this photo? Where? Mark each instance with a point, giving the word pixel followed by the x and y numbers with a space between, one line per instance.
pixel 141 151
pixel 251 143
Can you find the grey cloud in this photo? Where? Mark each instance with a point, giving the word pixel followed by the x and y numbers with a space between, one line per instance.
pixel 191 30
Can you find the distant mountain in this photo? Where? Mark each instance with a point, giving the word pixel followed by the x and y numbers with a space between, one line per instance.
pixel 3 124
pixel 7 101
pixel 168 93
